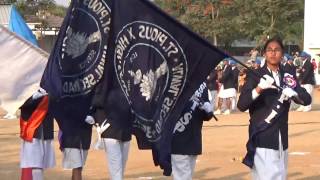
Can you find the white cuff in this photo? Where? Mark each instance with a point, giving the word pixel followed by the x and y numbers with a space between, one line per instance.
pixel 255 94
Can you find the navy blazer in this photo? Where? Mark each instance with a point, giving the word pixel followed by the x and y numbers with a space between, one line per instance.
pixel 306 73
pixel 257 109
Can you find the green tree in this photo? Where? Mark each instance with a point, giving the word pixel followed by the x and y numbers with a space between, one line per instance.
pixel 224 21
pixel 209 18
pixel 260 19
pixel 32 7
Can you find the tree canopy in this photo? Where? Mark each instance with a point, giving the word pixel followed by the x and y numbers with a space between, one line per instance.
pixel 33 7
pixel 224 21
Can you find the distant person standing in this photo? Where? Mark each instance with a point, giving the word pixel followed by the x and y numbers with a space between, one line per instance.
pixel 296 59
pixel 213 86
pixel 314 63
pixel 289 67
pixel 253 54
pixel 257 64
pixel 235 75
pixel 242 78
pixel 227 89
pixel 36 132
pixel 307 78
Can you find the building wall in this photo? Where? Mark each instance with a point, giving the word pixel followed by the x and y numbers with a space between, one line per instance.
pixel 312 32
pixel 47 42
pixel 312 27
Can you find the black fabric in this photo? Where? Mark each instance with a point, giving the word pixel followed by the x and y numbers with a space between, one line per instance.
pixel 291 69
pixel 261 107
pixel 76 133
pixel 187 138
pixel 75 67
pixel 227 78
pixel 158 64
pixel 306 73
pixel 109 103
pixel 45 129
pixel 119 116
pixel 28 107
pixel 235 76
pixel 212 80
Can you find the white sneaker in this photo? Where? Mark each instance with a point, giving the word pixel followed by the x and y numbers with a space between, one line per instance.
pixel 227 112
pixel 10 116
pixel 306 110
pixel 300 109
pixel 217 112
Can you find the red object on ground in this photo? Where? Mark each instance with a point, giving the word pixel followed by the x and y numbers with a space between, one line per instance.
pixel 26 174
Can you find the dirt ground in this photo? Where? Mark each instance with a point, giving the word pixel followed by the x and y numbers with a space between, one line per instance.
pixel 223 147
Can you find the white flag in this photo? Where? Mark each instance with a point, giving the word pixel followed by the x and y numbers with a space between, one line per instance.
pixel 21 68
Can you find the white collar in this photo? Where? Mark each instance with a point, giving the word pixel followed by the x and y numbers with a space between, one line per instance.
pixel 273 72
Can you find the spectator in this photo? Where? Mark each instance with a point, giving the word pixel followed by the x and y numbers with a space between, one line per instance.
pixel 314 63
pixel 213 86
pixel 235 74
pixel 289 67
pixel 257 64
pixel 307 78
pixel 227 89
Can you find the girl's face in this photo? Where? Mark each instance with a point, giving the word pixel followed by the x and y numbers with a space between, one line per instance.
pixel 273 53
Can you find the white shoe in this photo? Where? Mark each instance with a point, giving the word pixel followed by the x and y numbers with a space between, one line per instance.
pixel 217 112
pixel 300 109
pixel 227 112
pixel 306 110
pixel 10 116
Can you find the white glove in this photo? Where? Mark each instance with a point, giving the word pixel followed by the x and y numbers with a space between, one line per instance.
pixel 100 129
pixel 90 120
pixel 99 144
pixel 207 107
pixel 289 93
pixel 266 82
pixel 104 126
pixel 40 93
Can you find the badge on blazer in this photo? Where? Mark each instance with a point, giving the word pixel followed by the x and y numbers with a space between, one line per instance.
pixel 289 81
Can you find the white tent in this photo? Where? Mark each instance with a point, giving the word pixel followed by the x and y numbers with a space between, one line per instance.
pixel 21 68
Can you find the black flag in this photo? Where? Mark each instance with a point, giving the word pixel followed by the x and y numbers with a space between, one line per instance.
pixel 158 64
pixel 76 66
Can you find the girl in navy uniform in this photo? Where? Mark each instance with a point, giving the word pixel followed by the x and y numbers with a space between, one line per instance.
pixel 36 132
pixel 307 78
pixel 187 138
pixel 268 106
pixel 227 90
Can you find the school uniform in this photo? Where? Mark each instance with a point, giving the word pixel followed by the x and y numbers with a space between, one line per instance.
pixel 290 68
pixel 307 81
pixel 228 87
pixel 36 132
pixel 187 138
pixel 213 87
pixel 74 133
pixel 268 140
pixel 116 139
pixel 235 76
